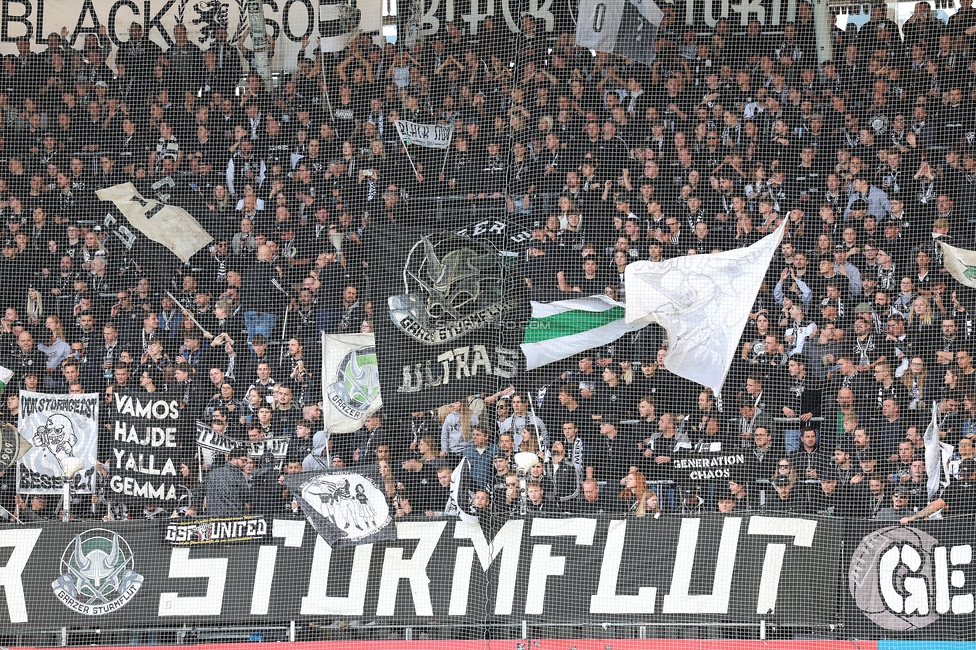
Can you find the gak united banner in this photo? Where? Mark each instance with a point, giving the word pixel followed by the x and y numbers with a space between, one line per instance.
pixel 142 449
pixel 63 430
pixel 450 317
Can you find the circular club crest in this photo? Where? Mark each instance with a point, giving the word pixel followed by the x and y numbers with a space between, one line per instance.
pixel 350 502
pixel 357 383
pixel 452 286
pixel 98 573
pixel 890 578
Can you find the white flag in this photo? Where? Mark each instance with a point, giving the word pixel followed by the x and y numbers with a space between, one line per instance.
pixel 460 493
pixel 937 455
pixel 627 28
pixel 960 263
pixel 435 136
pixel 168 225
pixel 350 381
pixel 703 301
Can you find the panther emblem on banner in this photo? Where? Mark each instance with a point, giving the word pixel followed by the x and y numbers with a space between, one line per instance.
pixel 452 285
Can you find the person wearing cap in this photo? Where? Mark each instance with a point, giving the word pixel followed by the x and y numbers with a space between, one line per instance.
pixel 227 488
pixel 899 508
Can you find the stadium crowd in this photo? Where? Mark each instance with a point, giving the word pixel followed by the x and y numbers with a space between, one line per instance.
pixel 592 162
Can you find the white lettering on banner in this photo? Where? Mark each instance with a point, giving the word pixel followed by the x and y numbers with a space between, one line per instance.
pixel 802 532
pixel 157 410
pixel 293 532
pixel 606 600
pixel 917 600
pixel 544 564
pixel 316 603
pixel 957 556
pixel 507 543
pixel 11 580
pixel 462 363
pixel 414 570
pixel 288 22
pixel 152 436
pixel 679 601
pixel 214 569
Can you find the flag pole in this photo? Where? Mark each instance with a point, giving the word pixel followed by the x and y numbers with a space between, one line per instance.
pixel 447 149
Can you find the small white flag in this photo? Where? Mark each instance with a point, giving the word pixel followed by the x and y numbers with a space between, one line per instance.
pixel 703 301
pixel 6 374
pixel 350 381
pixel 960 263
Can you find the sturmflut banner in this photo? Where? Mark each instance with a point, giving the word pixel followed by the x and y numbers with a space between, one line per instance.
pixel 63 430
pixel 571 569
pixel 142 450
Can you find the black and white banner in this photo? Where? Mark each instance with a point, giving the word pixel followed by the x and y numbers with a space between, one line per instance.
pixel 335 21
pixel 436 136
pixel 449 318
pixel 350 381
pixel 707 467
pixel 142 451
pixel 167 225
pixel 63 430
pixel 912 581
pixel 345 506
pixel 217 530
pixel 574 570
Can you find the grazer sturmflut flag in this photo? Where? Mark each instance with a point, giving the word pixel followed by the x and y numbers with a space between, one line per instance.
pixel 627 28
pixel 350 381
pixel 168 225
pixel 703 301
pixel 449 316
pixel 345 506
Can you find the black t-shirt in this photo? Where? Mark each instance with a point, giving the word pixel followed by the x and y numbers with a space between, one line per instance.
pixel 961 498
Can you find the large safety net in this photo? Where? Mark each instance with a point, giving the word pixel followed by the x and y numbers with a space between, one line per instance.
pixel 493 323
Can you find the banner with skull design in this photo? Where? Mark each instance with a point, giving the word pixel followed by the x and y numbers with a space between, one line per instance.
pixel 63 430
pixel 450 314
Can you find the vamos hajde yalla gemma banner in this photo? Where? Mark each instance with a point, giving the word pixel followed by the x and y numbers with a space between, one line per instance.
pixel 142 450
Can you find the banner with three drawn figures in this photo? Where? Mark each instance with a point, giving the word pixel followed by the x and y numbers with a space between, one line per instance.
pixel 345 506
pixel 63 430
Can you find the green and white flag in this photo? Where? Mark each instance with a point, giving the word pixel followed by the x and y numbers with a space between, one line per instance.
pixel 350 381
pixel 6 374
pixel 960 263
pixel 560 329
